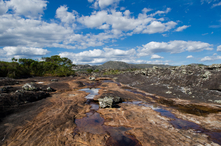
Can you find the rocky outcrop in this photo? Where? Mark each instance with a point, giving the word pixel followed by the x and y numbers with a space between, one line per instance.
pixel 192 82
pixel 189 75
pixel 108 101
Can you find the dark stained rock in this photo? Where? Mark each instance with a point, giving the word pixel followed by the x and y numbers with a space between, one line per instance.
pixel 192 82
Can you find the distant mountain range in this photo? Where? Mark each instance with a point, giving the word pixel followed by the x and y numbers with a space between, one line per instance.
pixel 117 65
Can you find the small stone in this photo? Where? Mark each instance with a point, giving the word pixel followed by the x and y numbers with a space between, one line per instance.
pixel 168 92
pixel 49 89
pixel 217 101
pixel 54 80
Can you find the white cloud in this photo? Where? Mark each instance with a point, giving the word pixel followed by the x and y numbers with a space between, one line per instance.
pixel 90 1
pixel 64 16
pixel 145 10
pixel 211 58
pixel 17 31
pixel 219 48
pixel 190 56
pixel 28 8
pixel 23 26
pixel 3 7
pixel 122 8
pixel 104 26
pixel 122 21
pixel 20 52
pixel 215 5
pixel 155 56
pixel 181 28
pixel 10 51
pixel 158 27
pixel 104 3
pixel 97 56
pixel 176 46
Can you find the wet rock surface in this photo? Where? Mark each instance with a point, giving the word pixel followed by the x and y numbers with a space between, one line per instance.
pixel 66 117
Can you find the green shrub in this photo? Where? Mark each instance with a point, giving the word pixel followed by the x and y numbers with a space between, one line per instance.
pixel 89 70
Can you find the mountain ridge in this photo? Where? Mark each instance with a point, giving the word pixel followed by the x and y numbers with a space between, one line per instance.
pixel 117 65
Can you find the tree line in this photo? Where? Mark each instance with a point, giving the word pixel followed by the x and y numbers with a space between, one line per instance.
pixel 49 66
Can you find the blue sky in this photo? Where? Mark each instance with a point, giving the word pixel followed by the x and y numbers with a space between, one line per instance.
pixel 96 31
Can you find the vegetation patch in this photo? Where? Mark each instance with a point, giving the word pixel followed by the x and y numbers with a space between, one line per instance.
pixel 50 66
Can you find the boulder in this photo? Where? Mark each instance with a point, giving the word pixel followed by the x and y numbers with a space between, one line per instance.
pixel 29 87
pixel 108 101
pixel 92 78
pixel 54 80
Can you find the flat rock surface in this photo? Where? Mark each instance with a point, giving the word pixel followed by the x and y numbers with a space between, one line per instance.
pixel 146 118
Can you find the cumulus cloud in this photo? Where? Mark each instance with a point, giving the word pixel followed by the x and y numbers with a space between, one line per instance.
pixel 155 56
pixel 18 52
pixel 190 56
pixel 10 51
pixel 122 21
pixel 23 26
pixel 181 28
pixel 211 58
pixel 97 56
pixel 17 31
pixel 104 3
pixel 219 48
pixel 176 46
pixel 28 8
pixel 64 16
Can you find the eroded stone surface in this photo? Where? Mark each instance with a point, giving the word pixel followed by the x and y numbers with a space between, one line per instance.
pixel 52 121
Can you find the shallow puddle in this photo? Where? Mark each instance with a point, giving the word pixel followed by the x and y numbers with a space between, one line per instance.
pixel 93 92
pixel 137 92
pixel 215 136
pixel 198 110
pixel 110 81
pixel 93 123
pixel 92 84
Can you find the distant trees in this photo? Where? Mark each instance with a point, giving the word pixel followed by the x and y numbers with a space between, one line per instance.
pixel 50 66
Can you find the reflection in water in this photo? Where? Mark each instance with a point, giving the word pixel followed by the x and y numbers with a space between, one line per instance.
pixel 179 123
pixel 93 92
pixel 93 123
